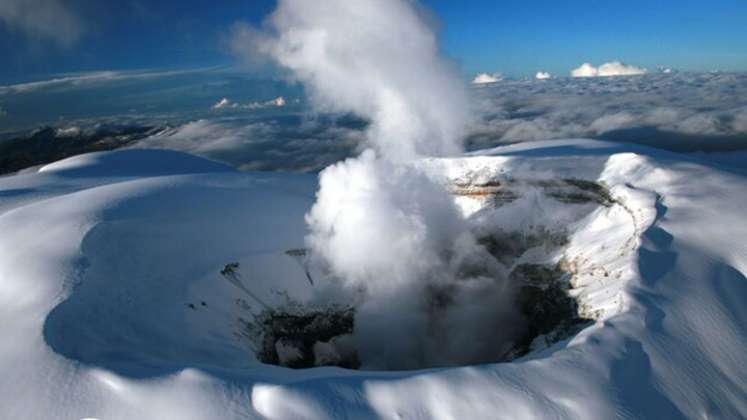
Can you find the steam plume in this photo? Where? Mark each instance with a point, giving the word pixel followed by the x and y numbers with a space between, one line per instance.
pixel 378 59
pixel 389 233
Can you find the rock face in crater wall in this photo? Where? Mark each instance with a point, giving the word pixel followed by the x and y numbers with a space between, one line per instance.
pixel 307 338
pixel 543 299
pixel 505 191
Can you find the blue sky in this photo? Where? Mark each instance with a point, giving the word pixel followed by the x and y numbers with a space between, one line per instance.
pixel 513 37
pixel 519 37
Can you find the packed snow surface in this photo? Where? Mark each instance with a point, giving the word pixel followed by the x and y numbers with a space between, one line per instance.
pixel 113 306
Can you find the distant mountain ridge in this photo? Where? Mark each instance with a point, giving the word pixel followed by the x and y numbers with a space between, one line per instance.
pixel 49 144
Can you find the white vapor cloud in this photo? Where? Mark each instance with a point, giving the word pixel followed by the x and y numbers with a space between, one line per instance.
pixel 381 226
pixel 542 75
pixel 396 205
pixel 485 78
pixel 614 68
pixel 377 59
pixel 396 239
pixel 49 20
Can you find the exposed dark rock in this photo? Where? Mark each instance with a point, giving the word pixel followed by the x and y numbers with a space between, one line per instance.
pixel 508 246
pixel 304 339
pixel 579 191
pixel 543 300
pixel 505 191
pixel 47 144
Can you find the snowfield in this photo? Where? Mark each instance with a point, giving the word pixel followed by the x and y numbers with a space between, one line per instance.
pixel 112 305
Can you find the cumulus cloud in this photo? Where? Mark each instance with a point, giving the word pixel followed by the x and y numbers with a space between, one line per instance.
pixel 542 75
pixel 585 70
pixel 48 20
pixel 614 68
pixel 485 78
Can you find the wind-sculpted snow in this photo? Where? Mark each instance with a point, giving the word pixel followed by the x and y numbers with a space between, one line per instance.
pixel 113 306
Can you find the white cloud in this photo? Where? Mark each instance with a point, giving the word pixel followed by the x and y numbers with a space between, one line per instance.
pixel 203 137
pixel 279 101
pixel 223 103
pixel 663 116
pixel 484 78
pixel 49 20
pixel 739 124
pixel 665 70
pixel 71 131
pixel 614 68
pixel 542 75
pixel 269 145
pixel 73 80
pixel 677 111
pixel 656 109
pixel 90 78
pixel 226 103
pixel 699 124
pixel 617 68
pixel 247 44
pixel 585 70
pixel 609 122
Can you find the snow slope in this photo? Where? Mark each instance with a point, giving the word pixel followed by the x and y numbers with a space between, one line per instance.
pixel 113 307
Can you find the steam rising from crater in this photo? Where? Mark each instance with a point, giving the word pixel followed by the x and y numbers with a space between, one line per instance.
pixel 378 59
pixel 387 231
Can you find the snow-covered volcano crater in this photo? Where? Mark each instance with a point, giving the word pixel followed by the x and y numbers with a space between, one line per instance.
pixel 114 306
